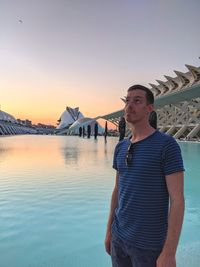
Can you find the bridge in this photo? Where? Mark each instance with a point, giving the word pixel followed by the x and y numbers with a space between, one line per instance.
pixel 177 103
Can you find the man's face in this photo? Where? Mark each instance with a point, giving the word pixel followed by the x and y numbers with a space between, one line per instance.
pixel 136 108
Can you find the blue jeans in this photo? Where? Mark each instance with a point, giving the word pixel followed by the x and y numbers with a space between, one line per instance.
pixel 124 255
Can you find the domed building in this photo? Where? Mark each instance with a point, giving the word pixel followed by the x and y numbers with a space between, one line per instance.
pixel 7 117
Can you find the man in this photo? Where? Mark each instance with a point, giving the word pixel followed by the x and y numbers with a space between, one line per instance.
pixel 147 204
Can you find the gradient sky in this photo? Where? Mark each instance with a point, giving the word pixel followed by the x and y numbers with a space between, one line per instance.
pixel 87 53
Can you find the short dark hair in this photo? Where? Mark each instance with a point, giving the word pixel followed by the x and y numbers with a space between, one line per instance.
pixel 149 94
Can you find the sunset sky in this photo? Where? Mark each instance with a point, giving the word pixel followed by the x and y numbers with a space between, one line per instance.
pixel 86 53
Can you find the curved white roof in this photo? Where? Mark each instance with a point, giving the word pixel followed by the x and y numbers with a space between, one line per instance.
pixel 6 117
pixel 84 122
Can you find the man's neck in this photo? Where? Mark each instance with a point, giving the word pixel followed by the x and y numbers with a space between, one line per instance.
pixel 140 132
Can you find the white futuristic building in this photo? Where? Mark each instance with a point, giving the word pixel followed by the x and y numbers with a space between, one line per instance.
pixel 68 117
pixel 177 103
pixel 84 122
pixel 72 120
pixel 6 117
pixel 9 125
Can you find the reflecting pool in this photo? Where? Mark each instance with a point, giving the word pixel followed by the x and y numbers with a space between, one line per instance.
pixel 54 201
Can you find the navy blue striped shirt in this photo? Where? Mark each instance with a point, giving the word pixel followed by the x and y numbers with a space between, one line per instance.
pixel 142 213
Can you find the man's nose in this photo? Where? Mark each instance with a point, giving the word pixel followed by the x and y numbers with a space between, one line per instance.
pixel 129 106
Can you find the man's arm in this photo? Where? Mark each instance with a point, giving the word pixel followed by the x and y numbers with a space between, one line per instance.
pixel 175 220
pixel 113 205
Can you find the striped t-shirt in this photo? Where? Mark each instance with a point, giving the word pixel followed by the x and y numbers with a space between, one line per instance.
pixel 142 213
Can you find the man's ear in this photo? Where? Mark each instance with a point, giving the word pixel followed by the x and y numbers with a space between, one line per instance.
pixel 150 108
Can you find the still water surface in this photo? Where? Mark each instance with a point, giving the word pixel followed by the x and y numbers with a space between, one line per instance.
pixel 54 201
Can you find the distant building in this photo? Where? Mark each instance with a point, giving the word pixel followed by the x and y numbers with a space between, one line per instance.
pixel 84 122
pixel 68 117
pixel 47 126
pixel 44 129
pixel 4 116
pixel 25 122
pixel 72 120
pixel 10 126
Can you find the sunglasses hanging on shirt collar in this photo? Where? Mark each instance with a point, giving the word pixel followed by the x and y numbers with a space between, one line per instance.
pixel 129 155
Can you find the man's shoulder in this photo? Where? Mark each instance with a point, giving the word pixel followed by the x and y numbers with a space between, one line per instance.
pixel 123 143
pixel 168 143
pixel 165 137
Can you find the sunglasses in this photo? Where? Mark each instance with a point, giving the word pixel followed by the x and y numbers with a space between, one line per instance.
pixel 129 155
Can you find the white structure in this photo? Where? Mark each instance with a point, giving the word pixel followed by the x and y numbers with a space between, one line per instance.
pixel 84 122
pixel 68 117
pixel 9 125
pixel 177 103
pixel 72 120
pixel 7 117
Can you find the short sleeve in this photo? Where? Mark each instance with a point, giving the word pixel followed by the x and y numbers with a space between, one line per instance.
pixel 171 157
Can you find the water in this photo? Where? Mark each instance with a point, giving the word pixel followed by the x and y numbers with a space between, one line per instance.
pixel 54 202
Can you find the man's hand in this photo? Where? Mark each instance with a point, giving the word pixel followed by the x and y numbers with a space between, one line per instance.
pixel 166 260
pixel 108 242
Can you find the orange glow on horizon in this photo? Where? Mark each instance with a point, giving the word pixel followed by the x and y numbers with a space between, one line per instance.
pixel 50 115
